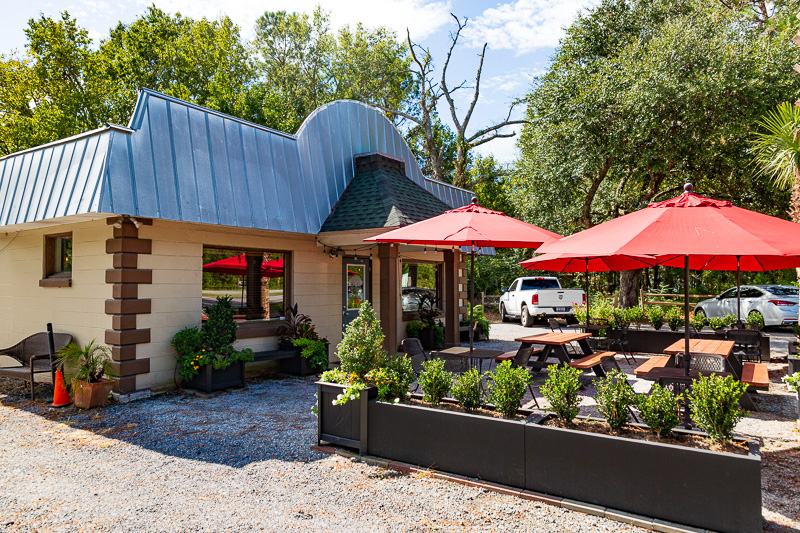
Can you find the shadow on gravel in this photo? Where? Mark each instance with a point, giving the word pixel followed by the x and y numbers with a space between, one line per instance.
pixel 268 420
pixel 781 488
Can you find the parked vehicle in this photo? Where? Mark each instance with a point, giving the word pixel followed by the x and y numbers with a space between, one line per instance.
pixel 411 297
pixel 538 297
pixel 778 304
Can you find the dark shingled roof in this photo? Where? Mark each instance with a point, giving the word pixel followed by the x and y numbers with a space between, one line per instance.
pixel 381 196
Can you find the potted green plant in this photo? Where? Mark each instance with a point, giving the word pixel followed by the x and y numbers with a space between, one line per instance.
pixel 88 368
pixel 299 333
pixel 793 382
pixel 432 333
pixel 206 357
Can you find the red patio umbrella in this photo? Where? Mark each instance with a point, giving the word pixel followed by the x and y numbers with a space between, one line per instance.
pixel 579 263
pixel 471 225
pixel 237 266
pixel 701 231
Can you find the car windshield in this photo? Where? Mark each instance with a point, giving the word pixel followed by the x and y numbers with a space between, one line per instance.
pixel 539 283
pixel 783 291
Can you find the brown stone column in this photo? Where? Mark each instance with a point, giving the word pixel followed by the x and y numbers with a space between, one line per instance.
pixel 390 294
pixel 450 297
pixel 124 336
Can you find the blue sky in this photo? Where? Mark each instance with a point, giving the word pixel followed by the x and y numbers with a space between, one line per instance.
pixel 521 35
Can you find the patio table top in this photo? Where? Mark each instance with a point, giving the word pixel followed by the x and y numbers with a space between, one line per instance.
pixel 477 353
pixel 554 339
pixel 719 347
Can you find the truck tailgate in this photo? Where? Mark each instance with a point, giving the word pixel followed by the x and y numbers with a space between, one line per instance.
pixel 560 298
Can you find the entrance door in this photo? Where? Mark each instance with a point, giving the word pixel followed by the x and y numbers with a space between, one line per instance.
pixel 355 287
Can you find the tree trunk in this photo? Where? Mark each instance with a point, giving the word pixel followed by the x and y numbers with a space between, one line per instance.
pixel 629 282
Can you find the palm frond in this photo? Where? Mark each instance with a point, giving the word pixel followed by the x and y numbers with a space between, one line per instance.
pixel 776 149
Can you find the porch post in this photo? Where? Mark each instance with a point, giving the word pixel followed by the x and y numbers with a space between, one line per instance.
pixel 389 294
pixel 452 332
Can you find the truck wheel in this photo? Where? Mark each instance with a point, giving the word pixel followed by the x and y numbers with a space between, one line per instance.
pixel 526 319
pixel 503 315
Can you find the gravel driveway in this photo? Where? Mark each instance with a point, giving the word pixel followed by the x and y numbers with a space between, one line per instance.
pixel 238 462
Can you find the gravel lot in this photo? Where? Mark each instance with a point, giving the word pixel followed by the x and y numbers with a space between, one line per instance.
pixel 238 462
pixel 242 462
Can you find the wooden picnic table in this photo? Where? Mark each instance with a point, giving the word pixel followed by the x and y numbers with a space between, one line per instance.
pixel 676 373
pixel 554 346
pixel 719 347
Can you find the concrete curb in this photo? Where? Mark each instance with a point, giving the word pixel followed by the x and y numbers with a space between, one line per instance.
pixel 581 507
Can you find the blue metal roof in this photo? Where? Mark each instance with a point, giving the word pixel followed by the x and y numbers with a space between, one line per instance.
pixel 180 161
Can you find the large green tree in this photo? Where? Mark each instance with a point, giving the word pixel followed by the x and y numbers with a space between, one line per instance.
pixel 303 64
pixel 642 96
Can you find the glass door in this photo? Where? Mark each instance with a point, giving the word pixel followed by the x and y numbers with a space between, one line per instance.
pixel 355 287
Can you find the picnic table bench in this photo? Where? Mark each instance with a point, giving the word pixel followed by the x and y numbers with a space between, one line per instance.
pixel 755 375
pixel 554 346
pixel 657 361
pixel 592 362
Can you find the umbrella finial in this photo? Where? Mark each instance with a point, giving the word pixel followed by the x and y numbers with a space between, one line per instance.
pixel 688 187
pixel 474 200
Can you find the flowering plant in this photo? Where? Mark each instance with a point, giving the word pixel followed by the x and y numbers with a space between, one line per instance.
pixel 792 381
pixel 213 344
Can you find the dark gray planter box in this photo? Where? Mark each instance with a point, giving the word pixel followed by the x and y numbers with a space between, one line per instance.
pixel 794 364
pixel 345 425
pixel 471 445
pixel 210 379
pixel 700 488
pixel 705 489
pixel 298 365
pixel 649 341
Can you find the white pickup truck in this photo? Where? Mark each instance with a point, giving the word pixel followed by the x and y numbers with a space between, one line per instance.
pixel 538 296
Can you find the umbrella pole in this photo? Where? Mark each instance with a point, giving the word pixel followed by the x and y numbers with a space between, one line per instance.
pixel 587 294
pixel 686 312
pixel 471 299
pixel 738 293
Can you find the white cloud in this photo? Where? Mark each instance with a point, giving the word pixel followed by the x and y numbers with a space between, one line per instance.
pixel 512 82
pixel 524 25
pixel 423 17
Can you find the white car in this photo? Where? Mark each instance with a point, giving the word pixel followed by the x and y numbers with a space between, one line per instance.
pixel 538 296
pixel 776 303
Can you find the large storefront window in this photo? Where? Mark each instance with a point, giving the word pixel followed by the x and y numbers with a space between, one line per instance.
pixel 420 284
pixel 255 281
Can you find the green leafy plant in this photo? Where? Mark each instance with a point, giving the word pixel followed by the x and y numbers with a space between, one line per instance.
pixel 636 315
pixel 729 320
pixel 717 323
pixel 793 381
pixel 85 363
pixel 659 410
pixel 698 322
pixel 438 335
pixel 507 388
pixel 655 315
pixel 480 319
pixel 619 317
pixel 468 389
pixel 714 402
pixel 614 399
pixel 315 351
pixel 674 319
pixel 213 344
pixel 414 329
pixel 361 349
pixel 580 313
pixel 435 381
pixel 394 379
pixel 756 318
pixel 335 375
pixel 561 390
pixel 296 326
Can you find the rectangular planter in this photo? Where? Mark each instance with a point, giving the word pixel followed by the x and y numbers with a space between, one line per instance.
pixel 649 341
pixel 701 488
pixel 210 379
pixel 689 486
pixel 298 365
pixel 471 445
pixel 794 364
pixel 345 425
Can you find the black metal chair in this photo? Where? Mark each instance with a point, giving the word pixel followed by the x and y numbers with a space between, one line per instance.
pixel 747 344
pixel 521 360
pixel 34 357
pixel 413 349
pixel 555 327
pixel 617 340
pixel 680 387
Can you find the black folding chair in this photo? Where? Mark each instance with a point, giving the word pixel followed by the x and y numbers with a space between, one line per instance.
pixel 413 349
pixel 521 360
pixel 617 340
pixel 681 386
pixel 747 344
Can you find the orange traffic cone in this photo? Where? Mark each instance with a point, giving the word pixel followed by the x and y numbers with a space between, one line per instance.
pixel 60 396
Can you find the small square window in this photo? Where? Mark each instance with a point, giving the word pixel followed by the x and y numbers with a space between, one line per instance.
pixel 57 270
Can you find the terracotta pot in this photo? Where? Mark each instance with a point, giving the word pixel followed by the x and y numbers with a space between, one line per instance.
pixel 88 395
